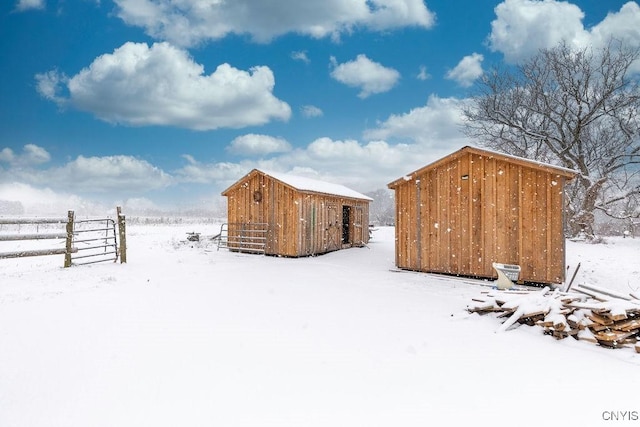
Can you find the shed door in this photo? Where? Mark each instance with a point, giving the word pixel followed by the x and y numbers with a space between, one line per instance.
pixel 346 221
pixel 359 226
pixel 332 235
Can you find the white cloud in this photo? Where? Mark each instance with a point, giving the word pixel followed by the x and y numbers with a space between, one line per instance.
pixel 363 166
pixel 108 174
pixel 222 173
pixel 45 201
pixel 7 155
pixel 161 85
pixel 328 149
pixel 111 173
pixel 49 85
pixel 301 56
pixel 311 111
pixel 420 136
pixel 423 74
pixel 623 26
pixel 467 70
pixel 189 22
pixel 31 155
pixel 398 145
pixel 436 125
pixel 371 77
pixel 257 145
pixel 30 4
pixel 88 185
pixel 523 27
pixel 35 155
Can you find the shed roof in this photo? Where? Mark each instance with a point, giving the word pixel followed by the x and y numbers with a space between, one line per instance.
pixel 305 184
pixel 569 173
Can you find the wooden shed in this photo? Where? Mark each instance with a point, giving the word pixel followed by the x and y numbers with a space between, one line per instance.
pixel 474 207
pixel 286 215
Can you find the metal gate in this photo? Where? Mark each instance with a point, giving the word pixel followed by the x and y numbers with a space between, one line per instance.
pixel 94 241
pixel 243 237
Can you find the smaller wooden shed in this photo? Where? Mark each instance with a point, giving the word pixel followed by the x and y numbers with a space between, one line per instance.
pixel 474 207
pixel 286 215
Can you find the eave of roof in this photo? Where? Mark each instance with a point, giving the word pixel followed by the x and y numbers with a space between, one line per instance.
pixel 307 185
pixel 568 173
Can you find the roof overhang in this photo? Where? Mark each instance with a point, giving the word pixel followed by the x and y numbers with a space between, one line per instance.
pixel 567 173
pixel 304 185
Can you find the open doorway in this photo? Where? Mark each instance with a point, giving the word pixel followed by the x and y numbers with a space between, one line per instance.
pixel 346 221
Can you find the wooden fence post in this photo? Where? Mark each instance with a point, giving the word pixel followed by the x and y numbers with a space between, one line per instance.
pixel 69 242
pixel 123 235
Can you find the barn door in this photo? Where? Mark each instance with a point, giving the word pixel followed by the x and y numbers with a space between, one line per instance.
pixel 359 227
pixel 346 225
pixel 333 235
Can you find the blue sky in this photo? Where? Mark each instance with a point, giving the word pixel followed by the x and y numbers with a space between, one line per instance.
pixel 165 103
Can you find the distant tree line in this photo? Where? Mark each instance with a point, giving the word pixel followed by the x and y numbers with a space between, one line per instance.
pixel 382 208
pixel 10 207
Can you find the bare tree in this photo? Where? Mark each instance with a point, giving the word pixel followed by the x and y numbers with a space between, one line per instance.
pixel 573 108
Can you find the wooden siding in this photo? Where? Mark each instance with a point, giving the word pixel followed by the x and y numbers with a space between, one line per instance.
pixel 298 223
pixel 462 214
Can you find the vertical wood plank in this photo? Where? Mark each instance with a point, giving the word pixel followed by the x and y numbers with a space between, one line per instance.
pixel 453 220
pixel 466 215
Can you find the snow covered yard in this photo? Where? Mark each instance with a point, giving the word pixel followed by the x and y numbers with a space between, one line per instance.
pixel 185 335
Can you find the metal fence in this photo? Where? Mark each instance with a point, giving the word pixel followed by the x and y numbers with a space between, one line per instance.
pixel 86 241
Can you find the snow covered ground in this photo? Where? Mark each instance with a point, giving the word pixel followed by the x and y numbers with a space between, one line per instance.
pixel 186 335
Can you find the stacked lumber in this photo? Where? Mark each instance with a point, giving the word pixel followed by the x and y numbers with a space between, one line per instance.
pixel 586 313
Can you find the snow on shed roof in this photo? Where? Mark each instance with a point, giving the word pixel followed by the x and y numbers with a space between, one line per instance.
pixel 308 184
pixel 302 183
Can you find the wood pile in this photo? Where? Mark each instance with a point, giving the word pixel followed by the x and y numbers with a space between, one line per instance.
pixel 586 313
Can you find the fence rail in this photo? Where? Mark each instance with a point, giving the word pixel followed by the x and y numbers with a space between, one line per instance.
pixel 19 221
pixel 35 252
pixel 87 241
pixel 15 237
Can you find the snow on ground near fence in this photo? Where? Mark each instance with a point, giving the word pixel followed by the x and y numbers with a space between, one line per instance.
pixel 186 335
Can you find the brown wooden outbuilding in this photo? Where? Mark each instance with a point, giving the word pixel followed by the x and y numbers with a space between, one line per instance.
pixel 474 207
pixel 286 215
